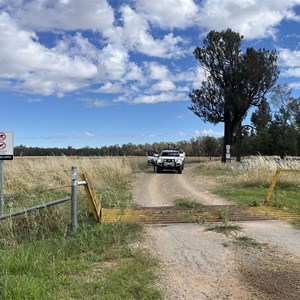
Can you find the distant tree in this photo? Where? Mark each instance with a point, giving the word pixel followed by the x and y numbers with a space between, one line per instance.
pixel 234 82
pixel 285 126
pixel 210 146
pixel 261 120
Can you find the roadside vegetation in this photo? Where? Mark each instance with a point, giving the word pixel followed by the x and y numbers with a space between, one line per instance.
pixel 249 182
pixel 41 259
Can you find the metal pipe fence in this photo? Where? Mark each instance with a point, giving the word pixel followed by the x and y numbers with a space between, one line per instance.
pixel 74 195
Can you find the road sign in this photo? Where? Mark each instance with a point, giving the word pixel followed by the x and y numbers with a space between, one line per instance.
pixel 6 145
pixel 2 136
pixel 2 146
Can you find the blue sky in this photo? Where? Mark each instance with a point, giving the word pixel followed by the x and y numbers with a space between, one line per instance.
pixel 98 72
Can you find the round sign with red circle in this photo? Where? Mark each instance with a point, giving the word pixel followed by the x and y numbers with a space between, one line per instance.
pixel 2 136
pixel 2 145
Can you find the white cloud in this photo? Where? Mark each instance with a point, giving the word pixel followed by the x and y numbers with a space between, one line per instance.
pixel 290 60
pixel 156 98
pixel 164 85
pixel 93 43
pixel 295 85
pixel 157 71
pixel 112 63
pixel 88 135
pixel 95 103
pixel 207 132
pixel 46 15
pixel 38 69
pixel 253 19
pixel 169 13
pixel 111 88
pixel 137 37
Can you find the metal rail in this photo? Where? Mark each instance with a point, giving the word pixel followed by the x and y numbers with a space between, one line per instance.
pixel 44 205
pixel 274 181
pixel 206 214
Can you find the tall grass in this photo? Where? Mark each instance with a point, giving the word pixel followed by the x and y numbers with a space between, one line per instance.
pixel 41 259
pixel 32 181
pixel 249 181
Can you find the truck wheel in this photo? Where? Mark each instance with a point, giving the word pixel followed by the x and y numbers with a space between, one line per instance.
pixel 158 169
pixel 180 170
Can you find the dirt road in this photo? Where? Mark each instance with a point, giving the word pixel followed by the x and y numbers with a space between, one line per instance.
pixel 201 264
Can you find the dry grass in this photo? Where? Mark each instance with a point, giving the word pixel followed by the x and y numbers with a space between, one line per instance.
pixel 32 181
pixel 54 172
pixel 260 170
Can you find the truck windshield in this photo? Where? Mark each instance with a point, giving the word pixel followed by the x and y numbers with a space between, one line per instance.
pixel 170 154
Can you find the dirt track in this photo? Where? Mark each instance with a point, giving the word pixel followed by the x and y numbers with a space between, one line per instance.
pixel 200 264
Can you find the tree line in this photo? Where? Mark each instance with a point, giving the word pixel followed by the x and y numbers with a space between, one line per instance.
pixel 270 132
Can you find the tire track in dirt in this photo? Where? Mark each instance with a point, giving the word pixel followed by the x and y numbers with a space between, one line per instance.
pixel 152 189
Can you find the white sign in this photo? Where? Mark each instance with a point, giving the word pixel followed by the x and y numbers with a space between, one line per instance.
pixel 6 145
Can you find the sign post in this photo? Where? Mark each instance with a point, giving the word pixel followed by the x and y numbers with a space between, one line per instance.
pixel 1 187
pixel 6 153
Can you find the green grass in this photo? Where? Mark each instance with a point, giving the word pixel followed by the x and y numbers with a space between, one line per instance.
pixel 186 203
pixel 296 223
pixel 224 228
pixel 250 194
pixel 245 242
pixel 214 170
pixel 40 258
pixel 75 266
pixel 253 194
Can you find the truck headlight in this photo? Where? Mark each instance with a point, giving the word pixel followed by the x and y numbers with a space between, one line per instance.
pixel 159 160
pixel 178 160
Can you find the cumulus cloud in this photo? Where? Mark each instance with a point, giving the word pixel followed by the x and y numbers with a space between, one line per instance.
pixel 35 68
pixel 169 13
pixel 253 19
pixel 136 34
pixel 63 46
pixel 155 98
pixel 207 132
pixel 290 60
pixel 62 15
pixel 164 85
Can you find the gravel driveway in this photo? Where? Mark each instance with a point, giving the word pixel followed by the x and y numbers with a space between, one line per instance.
pixel 201 264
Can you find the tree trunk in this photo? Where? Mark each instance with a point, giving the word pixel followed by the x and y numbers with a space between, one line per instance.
pixel 239 142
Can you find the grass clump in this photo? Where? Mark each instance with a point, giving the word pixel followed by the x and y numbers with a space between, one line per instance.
pixel 245 242
pixel 225 228
pixel 186 203
pixel 296 223
pixel 214 169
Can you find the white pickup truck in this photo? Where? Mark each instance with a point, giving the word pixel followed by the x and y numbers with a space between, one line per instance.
pixel 170 159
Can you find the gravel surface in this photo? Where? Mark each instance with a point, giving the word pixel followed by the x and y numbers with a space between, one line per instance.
pixel 201 264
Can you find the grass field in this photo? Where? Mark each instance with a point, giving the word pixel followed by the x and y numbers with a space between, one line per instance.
pixel 249 182
pixel 41 259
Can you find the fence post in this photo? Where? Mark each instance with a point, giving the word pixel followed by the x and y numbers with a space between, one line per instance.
pixel 74 199
pixel 1 187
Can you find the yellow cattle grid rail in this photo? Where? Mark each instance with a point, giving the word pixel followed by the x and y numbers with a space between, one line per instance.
pixel 274 181
pixel 215 213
